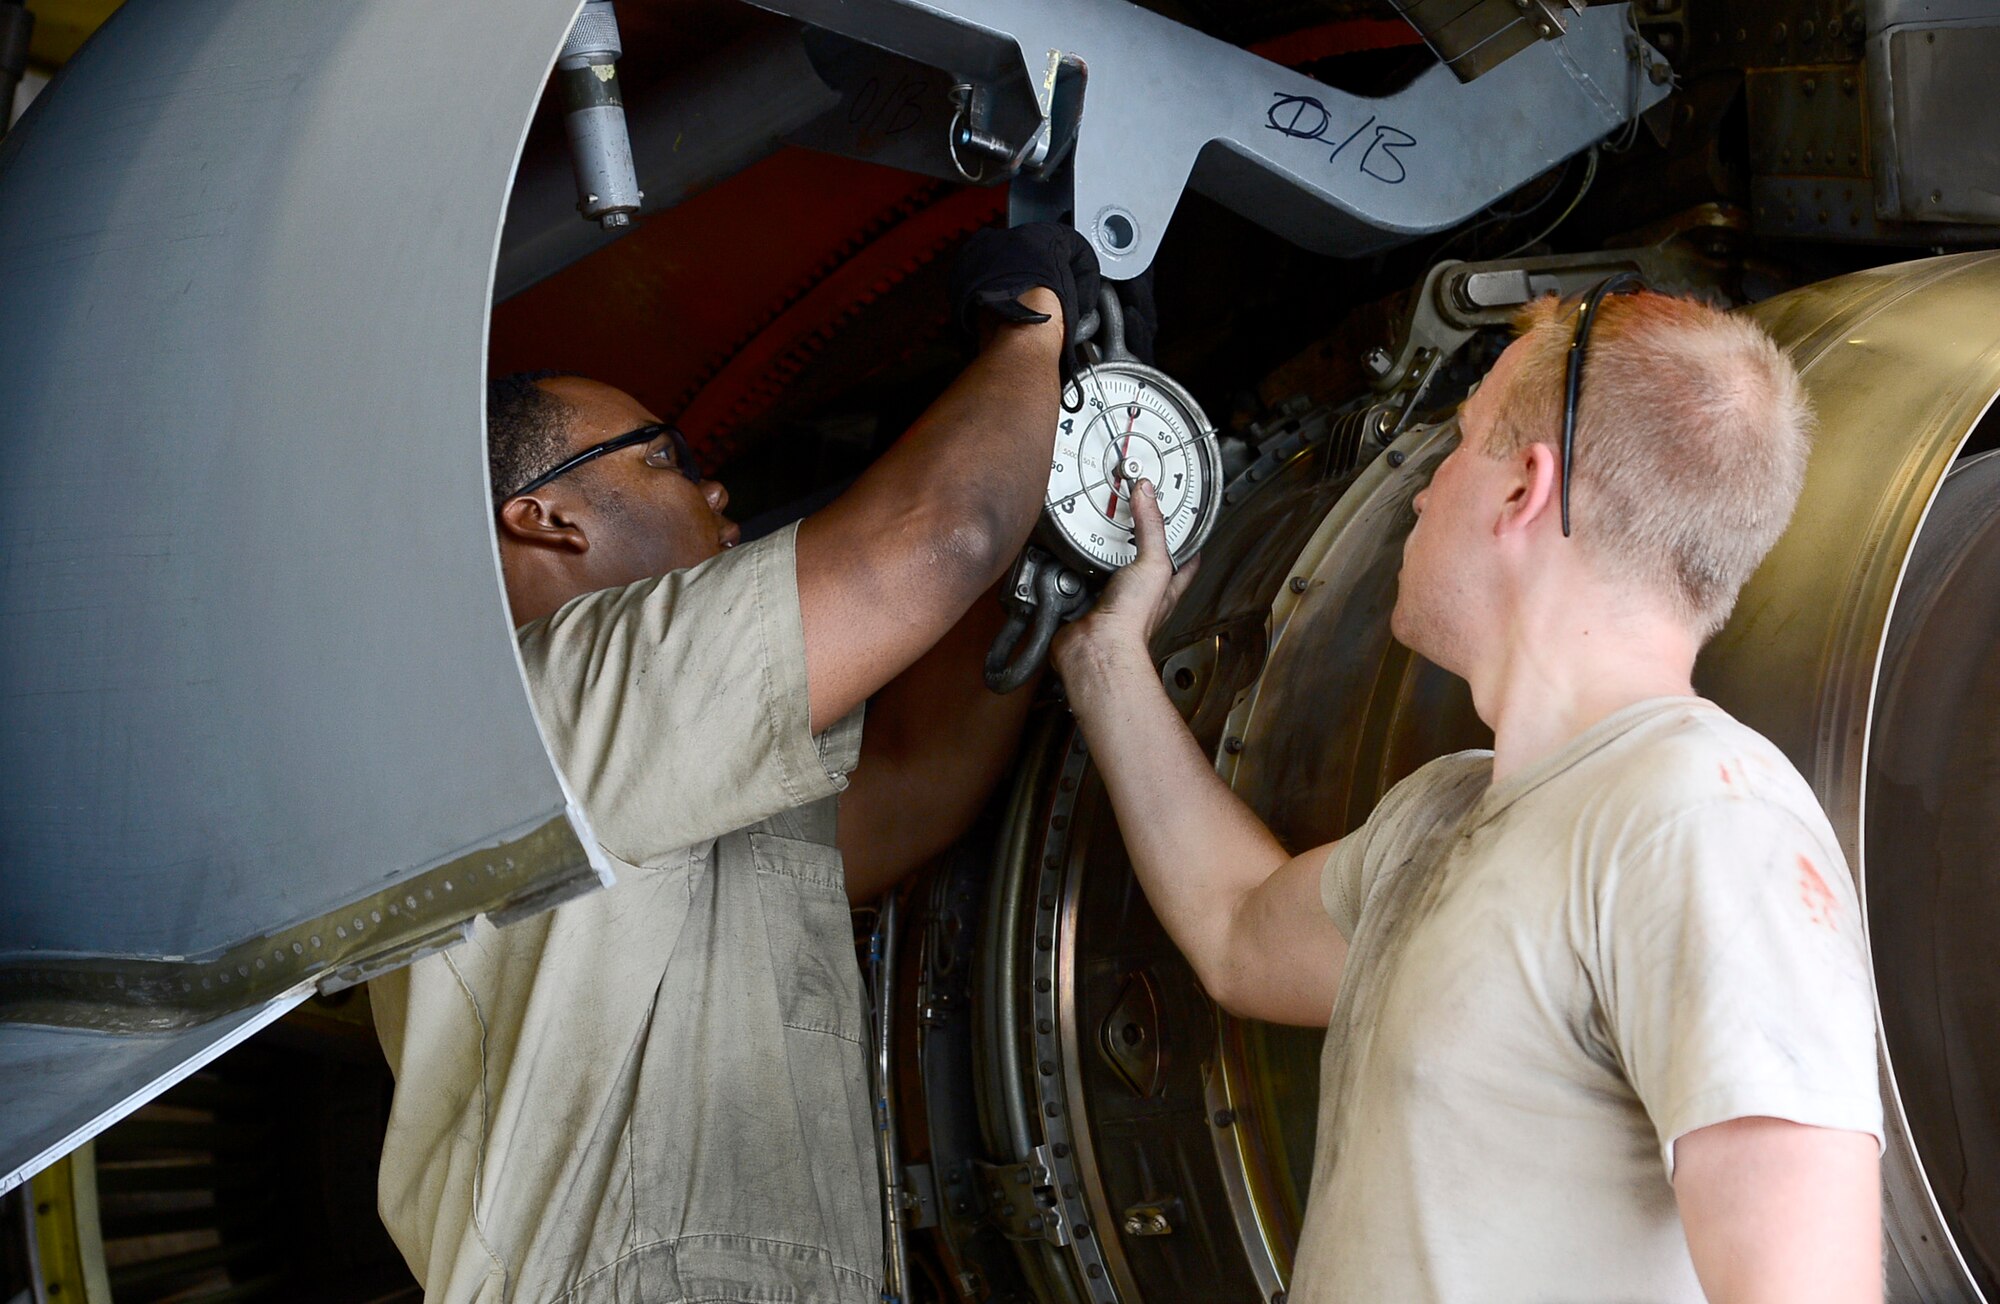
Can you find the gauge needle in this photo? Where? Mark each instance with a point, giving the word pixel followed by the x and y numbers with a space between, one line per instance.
pixel 1131 419
pixel 1056 503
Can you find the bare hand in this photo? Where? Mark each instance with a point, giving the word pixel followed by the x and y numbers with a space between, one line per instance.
pixel 1138 598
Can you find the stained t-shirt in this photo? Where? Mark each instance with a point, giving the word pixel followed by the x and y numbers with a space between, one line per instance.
pixel 1552 979
pixel 657 1092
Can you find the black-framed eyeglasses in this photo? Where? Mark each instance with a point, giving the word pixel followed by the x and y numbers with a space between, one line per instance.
pixel 1579 345
pixel 672 455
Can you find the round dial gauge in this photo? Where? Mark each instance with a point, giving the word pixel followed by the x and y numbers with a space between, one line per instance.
pixel 1133 424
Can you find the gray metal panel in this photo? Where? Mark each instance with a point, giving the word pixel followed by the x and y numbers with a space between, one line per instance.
pixel 1936 122
pixel 258 665
pixel 40 1069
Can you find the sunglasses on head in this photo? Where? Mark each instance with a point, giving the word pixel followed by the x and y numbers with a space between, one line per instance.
pixel 1579 346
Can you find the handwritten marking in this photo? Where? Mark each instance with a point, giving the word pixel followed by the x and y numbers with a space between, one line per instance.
pixel 1304 117
pixel 1304 109
pixel 888 110
pixel 1388 140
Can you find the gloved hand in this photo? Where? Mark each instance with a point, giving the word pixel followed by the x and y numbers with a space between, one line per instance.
pixel 999 265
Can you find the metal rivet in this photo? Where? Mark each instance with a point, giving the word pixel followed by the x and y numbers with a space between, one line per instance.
pixel 1298 584
pixel 1232 744
pixel 1225 1117
pixel 1397 457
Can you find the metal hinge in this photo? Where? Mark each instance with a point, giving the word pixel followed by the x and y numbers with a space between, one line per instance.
pixel 1022 1200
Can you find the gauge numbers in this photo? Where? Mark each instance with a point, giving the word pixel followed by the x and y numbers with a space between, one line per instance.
pixel 1131 426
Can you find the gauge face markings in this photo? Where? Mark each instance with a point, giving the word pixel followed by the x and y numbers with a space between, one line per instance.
pixel 1126 429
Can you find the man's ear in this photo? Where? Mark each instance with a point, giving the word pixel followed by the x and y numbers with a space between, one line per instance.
pixel 1536 491
pixel 539 521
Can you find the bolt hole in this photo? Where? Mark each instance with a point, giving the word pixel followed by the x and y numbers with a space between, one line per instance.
pixel 1184 678
pixel 1132 1034
pixel 1119 232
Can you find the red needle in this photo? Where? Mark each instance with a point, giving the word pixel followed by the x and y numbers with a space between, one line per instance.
pixel 1131 419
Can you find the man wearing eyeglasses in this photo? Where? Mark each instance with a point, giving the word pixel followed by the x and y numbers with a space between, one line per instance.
pixel 1598 1007
pixel 657 1092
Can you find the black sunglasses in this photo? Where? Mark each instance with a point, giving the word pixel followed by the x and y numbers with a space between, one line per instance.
pixel 1579 345
pixel 674 455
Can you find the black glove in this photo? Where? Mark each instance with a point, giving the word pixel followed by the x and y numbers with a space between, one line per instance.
pixel 999 265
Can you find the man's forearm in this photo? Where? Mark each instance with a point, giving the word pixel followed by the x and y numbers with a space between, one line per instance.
pixel 1197 850
pixel 892 564
pixel 977 459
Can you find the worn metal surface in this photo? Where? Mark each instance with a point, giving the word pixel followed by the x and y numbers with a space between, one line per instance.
pixel 1934 113
pixel 1165 108
pixel 258 665
pixel 1902 363
pixel 1473 39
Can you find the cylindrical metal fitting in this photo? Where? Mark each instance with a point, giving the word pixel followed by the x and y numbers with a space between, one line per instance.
pixel 16 24
pixel 607 185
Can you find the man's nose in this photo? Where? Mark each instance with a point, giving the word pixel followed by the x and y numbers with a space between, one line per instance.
pixel 1418 501
pixel 718 497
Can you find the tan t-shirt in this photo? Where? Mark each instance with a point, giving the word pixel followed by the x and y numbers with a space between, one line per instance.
pixel 1551 980
pixel 657 1092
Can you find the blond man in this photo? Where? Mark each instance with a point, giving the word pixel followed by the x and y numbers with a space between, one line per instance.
pixel 1599 1016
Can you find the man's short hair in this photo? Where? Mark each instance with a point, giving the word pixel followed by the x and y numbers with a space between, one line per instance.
pixel 527 430
pixel 1691 440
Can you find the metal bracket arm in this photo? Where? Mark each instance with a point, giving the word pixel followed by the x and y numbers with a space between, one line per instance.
pixel 1166 107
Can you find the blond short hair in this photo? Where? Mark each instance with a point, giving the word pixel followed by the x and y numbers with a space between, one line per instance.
pixel 1691 440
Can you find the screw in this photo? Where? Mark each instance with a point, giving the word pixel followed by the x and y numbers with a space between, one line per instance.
pixel 1809 85
pixel 1232 744
pixel 1298 584
pixel 1808 30
pixel 1225 1117
pixel 1397 457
